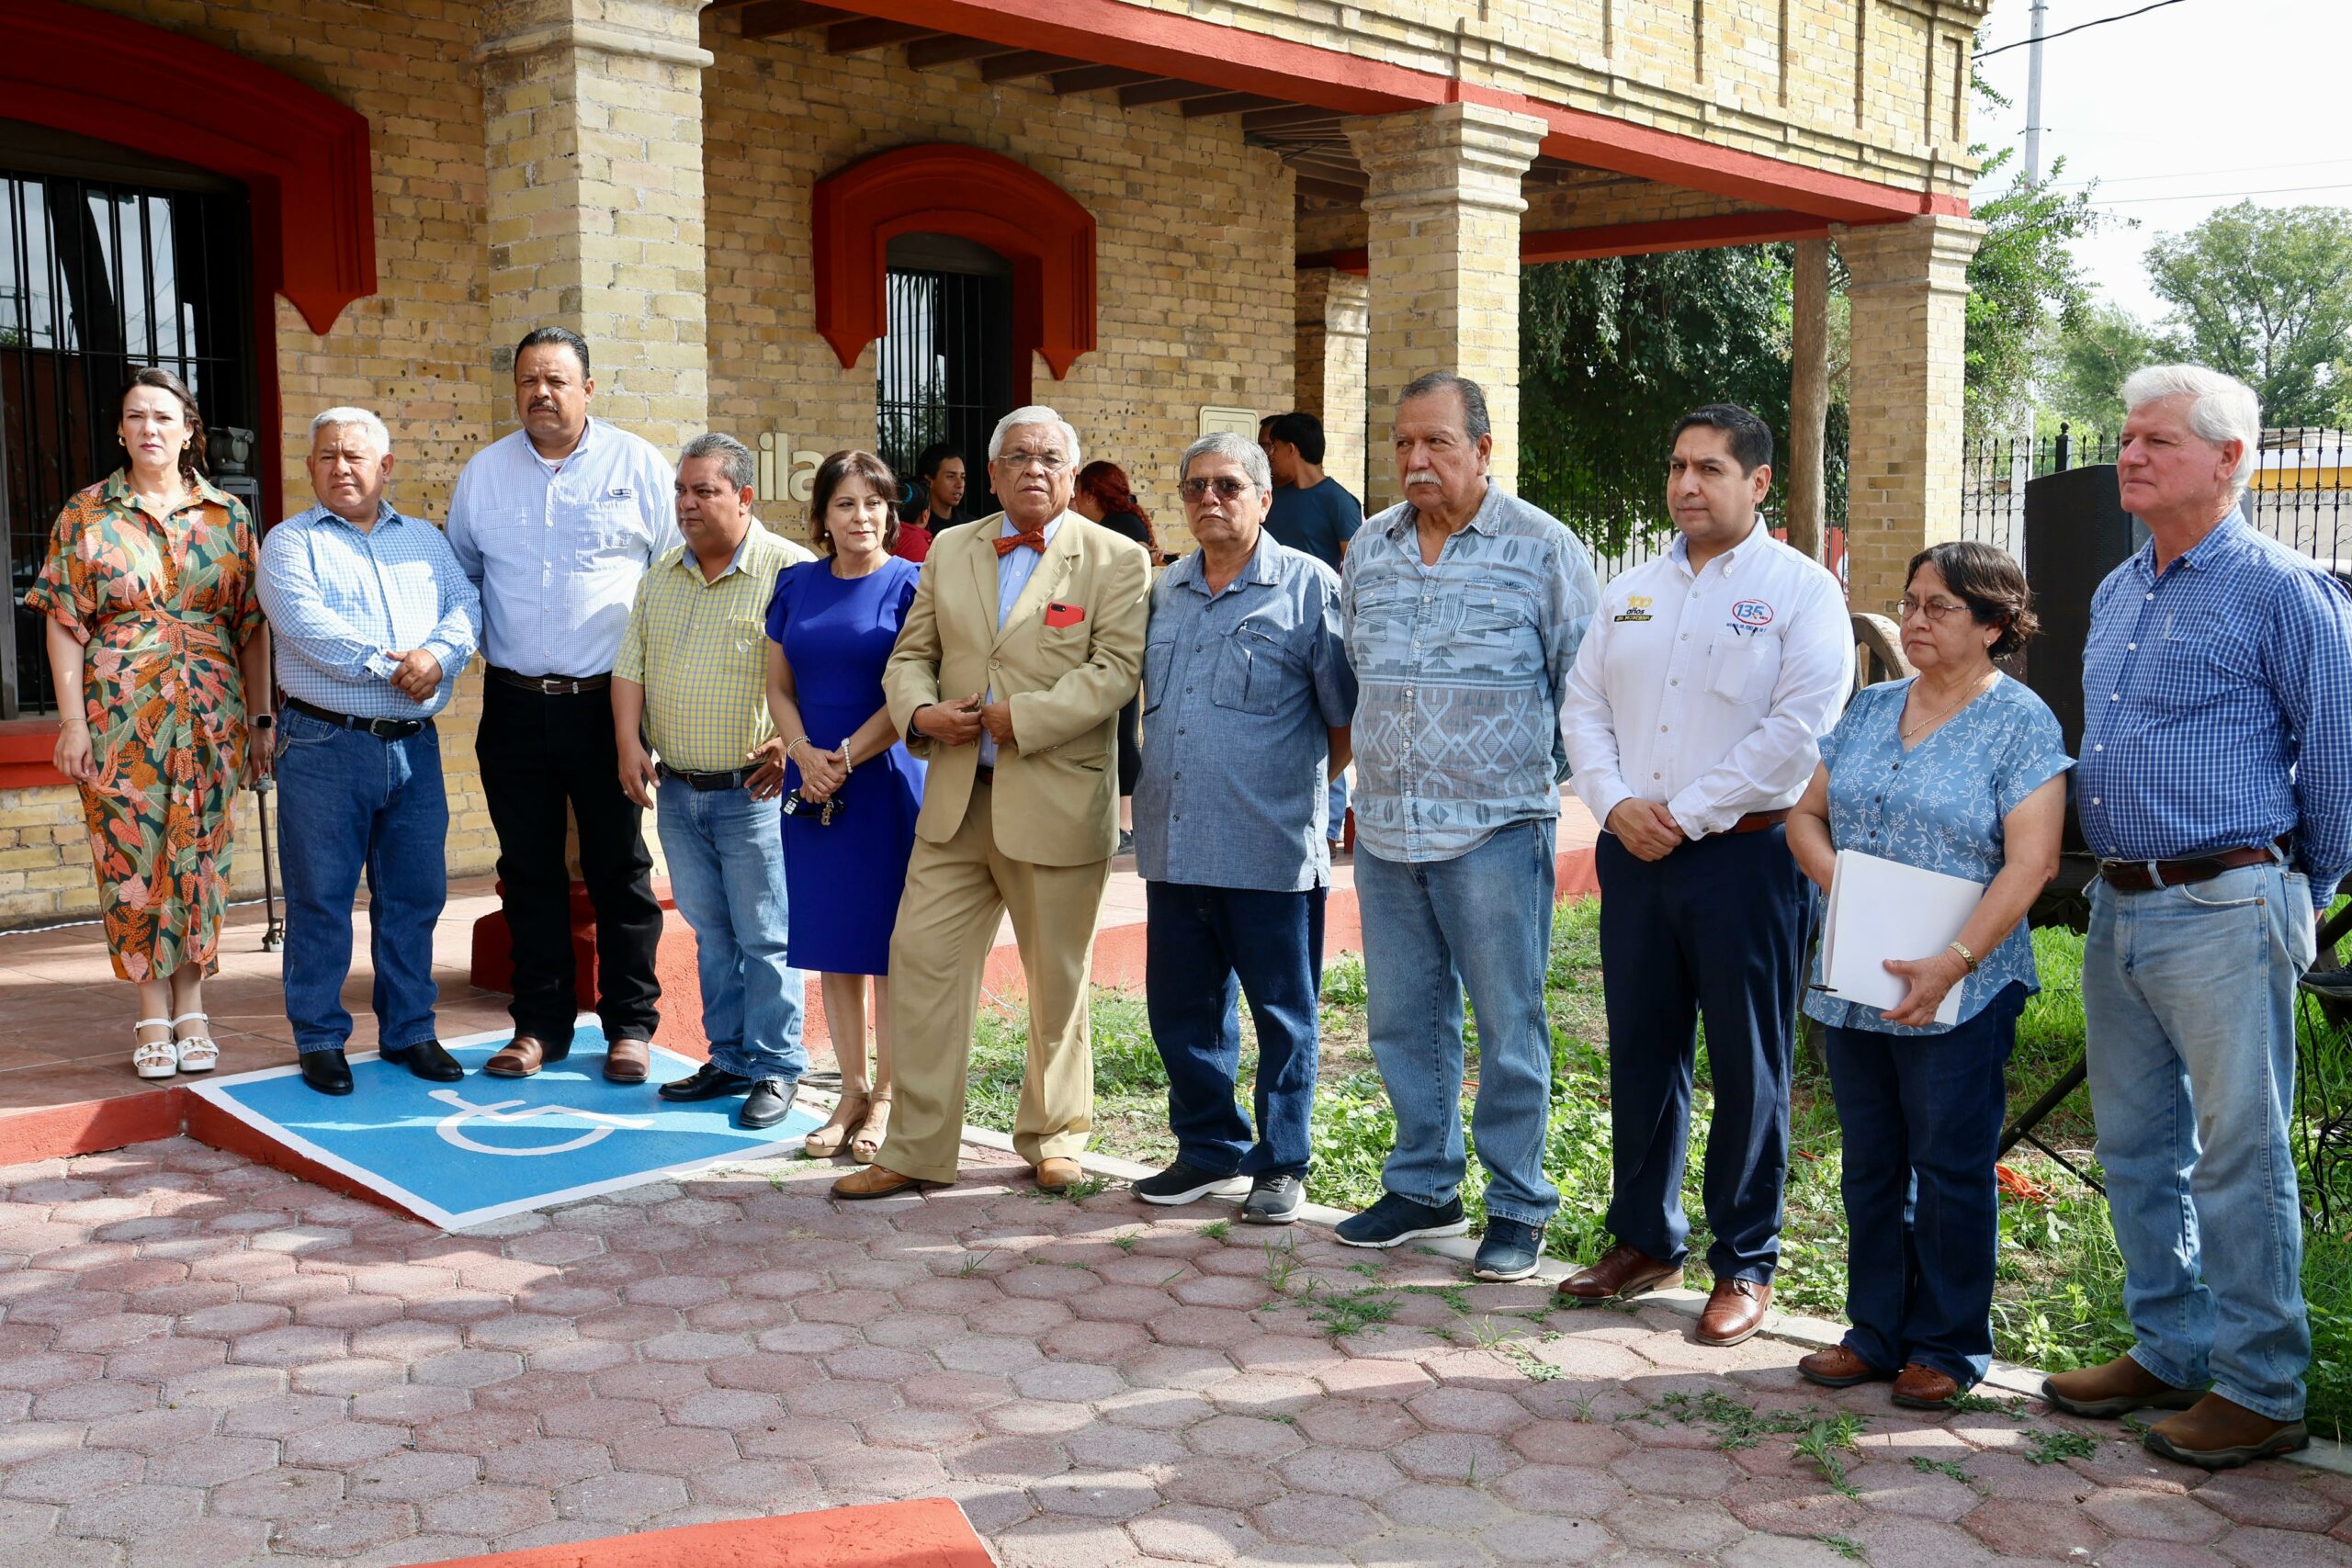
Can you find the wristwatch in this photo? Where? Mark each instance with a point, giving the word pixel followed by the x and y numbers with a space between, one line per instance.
pixel 262 720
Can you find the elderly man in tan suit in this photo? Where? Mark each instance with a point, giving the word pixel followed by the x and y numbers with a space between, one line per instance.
pixel 1024 640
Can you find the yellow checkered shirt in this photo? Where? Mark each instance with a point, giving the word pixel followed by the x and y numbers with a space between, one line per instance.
pixel 700 649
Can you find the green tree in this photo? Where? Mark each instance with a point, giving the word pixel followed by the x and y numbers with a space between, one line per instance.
pixel 2264 294
pixel 2096 351
pixel 2026 291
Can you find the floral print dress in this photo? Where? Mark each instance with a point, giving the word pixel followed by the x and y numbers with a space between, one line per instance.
pixel 167 600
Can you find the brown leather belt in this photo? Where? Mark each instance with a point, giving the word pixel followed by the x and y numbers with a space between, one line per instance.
pixel 550 685
pixel 2147 876
pixel 1756 821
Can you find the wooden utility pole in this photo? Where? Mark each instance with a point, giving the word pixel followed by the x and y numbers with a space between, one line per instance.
pixel 1809 400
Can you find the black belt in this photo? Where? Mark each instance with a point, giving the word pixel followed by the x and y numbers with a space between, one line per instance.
pixel 736 779
pixel 2147 876
pixel 550 685
pixel 985 772
pixel 381 729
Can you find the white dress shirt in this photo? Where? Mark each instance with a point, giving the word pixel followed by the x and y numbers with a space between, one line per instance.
pixel 1709 691
pixel 558 548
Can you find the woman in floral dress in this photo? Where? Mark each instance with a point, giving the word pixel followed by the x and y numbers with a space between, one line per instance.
pixel 154 639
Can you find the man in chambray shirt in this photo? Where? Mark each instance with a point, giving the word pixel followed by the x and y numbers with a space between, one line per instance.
pixel 556 524
pixel 1246 696
pixel 1463 608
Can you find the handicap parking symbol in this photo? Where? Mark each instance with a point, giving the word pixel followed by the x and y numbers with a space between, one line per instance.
pixel 460 1154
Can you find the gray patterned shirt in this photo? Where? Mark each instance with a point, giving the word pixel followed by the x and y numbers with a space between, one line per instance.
pixel 1461 668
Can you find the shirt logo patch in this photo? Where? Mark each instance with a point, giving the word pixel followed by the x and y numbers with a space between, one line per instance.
pixel 622 492
pixel 1637 608
pixel 1752 613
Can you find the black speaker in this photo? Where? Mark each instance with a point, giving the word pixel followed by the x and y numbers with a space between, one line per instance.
pixel 2075 532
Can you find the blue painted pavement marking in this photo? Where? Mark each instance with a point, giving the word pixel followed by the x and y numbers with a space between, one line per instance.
pixel 484 1147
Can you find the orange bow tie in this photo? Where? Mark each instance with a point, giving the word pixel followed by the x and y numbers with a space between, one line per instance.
pixel 1034 539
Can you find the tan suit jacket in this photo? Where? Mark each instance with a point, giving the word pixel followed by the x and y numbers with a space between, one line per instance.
pixel 1056 795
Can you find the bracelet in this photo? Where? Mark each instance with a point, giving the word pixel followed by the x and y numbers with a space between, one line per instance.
pixel 788 745
pixel 844 754
pixel 1965 956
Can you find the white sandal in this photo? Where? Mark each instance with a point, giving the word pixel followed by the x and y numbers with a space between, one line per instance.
pixel 197 1054
pixel 154 1058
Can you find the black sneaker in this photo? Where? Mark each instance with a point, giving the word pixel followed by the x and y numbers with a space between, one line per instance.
pixel 1394 1219
pixel 1274 1199
pixel 769 1103
pixel 1510 1250
pixel 1181 1183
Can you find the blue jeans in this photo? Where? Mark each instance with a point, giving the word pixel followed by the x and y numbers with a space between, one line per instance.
pixel 726 855
pixel 1432 929
pixel 1200 942
pixel 2189 993
pixel 351 805
pixel 1921 1117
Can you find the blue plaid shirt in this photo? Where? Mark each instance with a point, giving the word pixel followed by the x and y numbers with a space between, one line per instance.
pixel 341 601
pixel 2217 703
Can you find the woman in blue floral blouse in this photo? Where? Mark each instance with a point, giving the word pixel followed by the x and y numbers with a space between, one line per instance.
pixel 1959 770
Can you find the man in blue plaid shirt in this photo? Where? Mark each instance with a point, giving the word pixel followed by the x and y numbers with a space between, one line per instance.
pixel 2216 788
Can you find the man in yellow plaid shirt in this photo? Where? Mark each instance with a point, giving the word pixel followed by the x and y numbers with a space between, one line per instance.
pixel 690 714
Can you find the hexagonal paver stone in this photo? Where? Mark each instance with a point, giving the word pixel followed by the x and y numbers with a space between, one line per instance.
pixel 1330 1522
pixel 2249 1497
pixel 1244 1437
pixel 350 1531
pixel 1098 1494
pixel 2034 1529
pixel 1573 1443
pixel 623 1497
pixel 71 1475
pixel 2154 1516
pixel 547 1461
pixel 280 1495
pixel 1672 1525
pixel 1462 1458
pixel 1187 1532
pixel 133 1513
pixel 2255 1547
pixel 1551 1489
pixel 1358 1424
pixel 1532 1539
pixel 1221 1483
pixel 353 1442
pixel 1014 1460
pixel 414 1477
pixel 1456 1510
pixel 488 1512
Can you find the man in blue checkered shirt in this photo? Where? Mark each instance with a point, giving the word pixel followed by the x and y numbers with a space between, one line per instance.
pixel 2216 788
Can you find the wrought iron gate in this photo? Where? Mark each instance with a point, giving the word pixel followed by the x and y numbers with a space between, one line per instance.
pixel 945 369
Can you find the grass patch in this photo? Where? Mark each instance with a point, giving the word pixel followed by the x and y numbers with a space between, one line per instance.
pixel 1217 1230
pixel 2046 1447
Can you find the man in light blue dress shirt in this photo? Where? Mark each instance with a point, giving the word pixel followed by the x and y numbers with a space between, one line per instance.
pixel 372 619
pixel 556 524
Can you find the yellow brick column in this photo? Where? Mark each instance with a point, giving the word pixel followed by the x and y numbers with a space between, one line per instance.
pixel 1909 330
pixel 593 127
pixel 1333 321
pixel 1444 204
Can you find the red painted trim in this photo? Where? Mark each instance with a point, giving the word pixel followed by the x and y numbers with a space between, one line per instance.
pixel 930 1532
pixel 1622 239
pixel 983 196
pixel 301 157
pixel 1213 53
pixel 207 1124
pixel 58 1132
pixel 25 747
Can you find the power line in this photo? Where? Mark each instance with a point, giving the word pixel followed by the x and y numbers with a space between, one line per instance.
pixel 2217 195
pixel 2197 174
pixel 2079 27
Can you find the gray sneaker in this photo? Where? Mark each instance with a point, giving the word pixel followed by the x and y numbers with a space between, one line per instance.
pixel 1274 1199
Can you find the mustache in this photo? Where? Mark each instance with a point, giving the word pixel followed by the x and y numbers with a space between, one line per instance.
pixel 1421 477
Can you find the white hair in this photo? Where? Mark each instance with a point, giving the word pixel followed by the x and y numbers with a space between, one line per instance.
pixel 1225 444
pixel 360 417
pixel 1036 413
pixel 2223 407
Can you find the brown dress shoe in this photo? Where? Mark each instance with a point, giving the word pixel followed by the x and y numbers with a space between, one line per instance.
pixel 2118 1388
pixel 1735 1312
pixel 1057 1174
pixel 1838 1367
pixel 879 1181
pixel 2221 1433
pixel 1621 1271
pixel 628 1061
pixel 1923 1388
pixel 525 1056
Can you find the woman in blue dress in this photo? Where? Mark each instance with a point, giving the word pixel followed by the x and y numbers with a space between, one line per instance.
pixel 1959 770
pixel 850 789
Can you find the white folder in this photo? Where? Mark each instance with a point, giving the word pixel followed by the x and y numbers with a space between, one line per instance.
pixel 1880 910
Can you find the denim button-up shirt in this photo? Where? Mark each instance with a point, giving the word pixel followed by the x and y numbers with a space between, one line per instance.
pixel 1463 669
pixel 1240 690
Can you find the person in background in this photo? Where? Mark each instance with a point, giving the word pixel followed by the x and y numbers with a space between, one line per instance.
pixel 1963 771
pixel 689 727
pixel 2215 786
pixel 374 619
pixel 939 467
pixel 1103 496
pixel 556 524
pixel 160 661
pixel 854 787
pixel 1313 512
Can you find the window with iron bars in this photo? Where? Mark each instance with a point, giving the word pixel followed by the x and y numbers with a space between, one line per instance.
pixel 944 368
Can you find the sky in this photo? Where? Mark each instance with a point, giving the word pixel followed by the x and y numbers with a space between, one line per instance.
pixel 2178 112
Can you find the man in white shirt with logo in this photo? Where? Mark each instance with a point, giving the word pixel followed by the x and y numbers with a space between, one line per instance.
pixel 1694 721
pixel 556 524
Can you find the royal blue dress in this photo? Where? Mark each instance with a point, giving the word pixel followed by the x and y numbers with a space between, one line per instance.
pixel 843 881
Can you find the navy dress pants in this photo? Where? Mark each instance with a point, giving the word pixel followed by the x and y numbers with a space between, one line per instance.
pixel 1715 930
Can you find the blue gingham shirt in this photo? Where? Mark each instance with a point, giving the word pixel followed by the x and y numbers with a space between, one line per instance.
pixel 341 603
pixel 1461 670
pixel 2217 703
pixel 1240 692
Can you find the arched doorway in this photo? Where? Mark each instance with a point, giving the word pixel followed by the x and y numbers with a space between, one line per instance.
pixel 944 369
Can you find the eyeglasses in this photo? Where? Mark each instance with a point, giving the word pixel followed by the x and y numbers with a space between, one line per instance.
pixel 1226 487
pixel 1052 462
pixel 1935 609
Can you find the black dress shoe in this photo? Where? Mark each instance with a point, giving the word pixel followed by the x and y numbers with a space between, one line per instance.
pixel 326 1071
pixel 429 1062
pixel 769 1103
pixel 708 1081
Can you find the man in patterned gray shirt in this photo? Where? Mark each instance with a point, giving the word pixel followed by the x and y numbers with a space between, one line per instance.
pixel 1464 606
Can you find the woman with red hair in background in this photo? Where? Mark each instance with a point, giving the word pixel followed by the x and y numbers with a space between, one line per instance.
pixel 1103 496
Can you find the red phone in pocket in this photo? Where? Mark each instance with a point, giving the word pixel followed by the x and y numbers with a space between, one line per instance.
pixel 1064 615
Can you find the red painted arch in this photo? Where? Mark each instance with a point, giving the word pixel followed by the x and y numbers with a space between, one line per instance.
pixel 937 188
pixel 301 157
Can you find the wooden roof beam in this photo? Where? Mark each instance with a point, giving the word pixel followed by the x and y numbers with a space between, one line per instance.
pixel 1286 117
pixel 873 32
pixel 772 18
pixel 1024 63
pixel 1092 78
pixel 1229 102
pixel 1168 90
pixel 932 51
